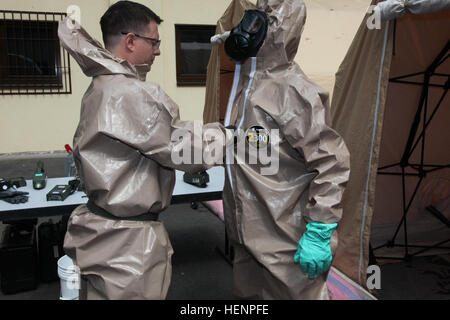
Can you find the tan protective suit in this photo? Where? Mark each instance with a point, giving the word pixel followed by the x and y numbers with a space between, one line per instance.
pixel 266 215
pixel 123 154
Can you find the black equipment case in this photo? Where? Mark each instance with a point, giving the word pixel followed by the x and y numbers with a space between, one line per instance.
pixel 18 258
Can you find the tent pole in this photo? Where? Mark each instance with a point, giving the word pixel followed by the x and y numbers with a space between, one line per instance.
pixel 415 125
pixel 422 134
pixel 405 211
pixel 405 208
pixel 411 146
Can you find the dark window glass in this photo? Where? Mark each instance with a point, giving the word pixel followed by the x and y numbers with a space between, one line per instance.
pixel 193 50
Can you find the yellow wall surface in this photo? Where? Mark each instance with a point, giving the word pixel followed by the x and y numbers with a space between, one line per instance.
pixel 31 123
pixel 190 99
pixel 330 28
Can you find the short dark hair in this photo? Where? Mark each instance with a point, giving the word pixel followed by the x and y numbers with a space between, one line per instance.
pixel 126 16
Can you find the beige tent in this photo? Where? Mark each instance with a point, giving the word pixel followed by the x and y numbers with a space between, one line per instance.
pixel 374 115
pixel 386 89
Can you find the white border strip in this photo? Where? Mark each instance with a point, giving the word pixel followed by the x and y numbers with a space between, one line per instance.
pixel 252 75
pixel 237 73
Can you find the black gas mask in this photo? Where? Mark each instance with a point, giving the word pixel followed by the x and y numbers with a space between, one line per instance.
pixel 248 36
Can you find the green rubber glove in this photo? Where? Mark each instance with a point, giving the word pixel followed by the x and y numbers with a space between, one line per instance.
pixel 313 251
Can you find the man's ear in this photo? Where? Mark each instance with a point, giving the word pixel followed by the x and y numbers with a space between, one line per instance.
pixel 129 41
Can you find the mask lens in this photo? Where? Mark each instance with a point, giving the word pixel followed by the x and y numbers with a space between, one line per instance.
pixel 251 23
pixel 240 42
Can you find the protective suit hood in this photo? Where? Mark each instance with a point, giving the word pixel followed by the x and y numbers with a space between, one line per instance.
pixel 286 22
pixel 92 57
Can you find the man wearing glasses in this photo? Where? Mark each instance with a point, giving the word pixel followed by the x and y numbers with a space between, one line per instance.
pixel 141 53
pixel 123 153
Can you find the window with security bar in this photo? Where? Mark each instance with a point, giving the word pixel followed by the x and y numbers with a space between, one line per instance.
pixel 31 58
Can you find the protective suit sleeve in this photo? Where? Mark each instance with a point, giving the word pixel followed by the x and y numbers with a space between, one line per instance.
pixel 305 125
pixel 148 121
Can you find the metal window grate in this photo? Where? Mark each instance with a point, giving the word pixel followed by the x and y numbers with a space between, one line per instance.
pixel 31 58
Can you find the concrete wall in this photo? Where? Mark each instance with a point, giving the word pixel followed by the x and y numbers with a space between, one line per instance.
pixel 330 28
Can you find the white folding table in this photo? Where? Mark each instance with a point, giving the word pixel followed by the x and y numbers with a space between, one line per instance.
pixel 38 206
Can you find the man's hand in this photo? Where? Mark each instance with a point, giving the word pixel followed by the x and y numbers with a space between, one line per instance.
pixel 313 251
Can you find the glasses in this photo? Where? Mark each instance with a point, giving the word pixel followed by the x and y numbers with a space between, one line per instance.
pixel 155 42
